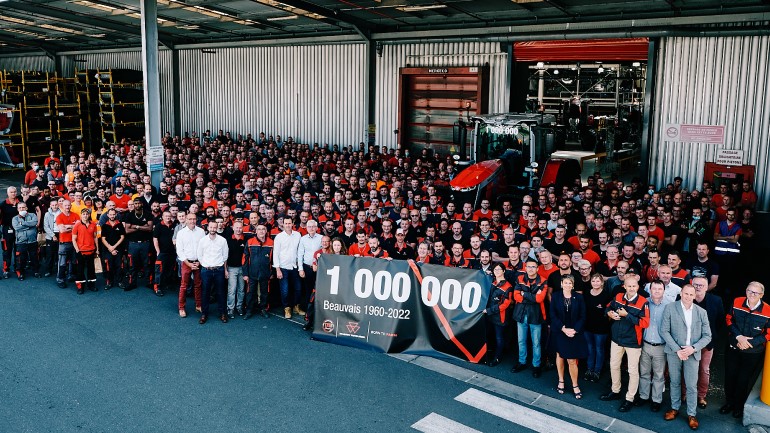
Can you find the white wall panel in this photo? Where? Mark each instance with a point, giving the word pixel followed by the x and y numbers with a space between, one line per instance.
pixel 438 54
pixel 312 93
pixel 27 63
pixel 712 81
pixel 130 60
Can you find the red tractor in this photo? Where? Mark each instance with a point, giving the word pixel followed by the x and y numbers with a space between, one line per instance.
pixel 506 152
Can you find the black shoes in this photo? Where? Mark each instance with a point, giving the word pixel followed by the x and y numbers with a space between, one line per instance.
pixel 21 277
pixel 62 284
pixel 638 401
pixel 536 372
pixel 308 327
pixel 37 275
pixel 626 406
pixel 92 288
pixel 248 315
pixel 231 315
pixel 655 407
pixel 491 363
pixel 518 367
pixel 610 396
pixel 80 291
pixel 724 410
pixel 264 314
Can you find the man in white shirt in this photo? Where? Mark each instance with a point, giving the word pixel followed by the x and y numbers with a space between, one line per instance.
pixel 286 262
pixel 308 245
pixel 671 289
pixel 685 329
pixel 212 254
pixel 187 253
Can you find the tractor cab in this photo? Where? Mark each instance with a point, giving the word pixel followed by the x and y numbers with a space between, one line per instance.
pixel 505 152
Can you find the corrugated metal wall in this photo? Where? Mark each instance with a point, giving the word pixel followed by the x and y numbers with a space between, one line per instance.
pixel 27 63
pixel 444 54
pixel 130 60
pixel 312 93
pixel 713 81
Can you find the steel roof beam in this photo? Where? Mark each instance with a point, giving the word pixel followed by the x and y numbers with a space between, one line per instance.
pixel 97 22
pixel 362 27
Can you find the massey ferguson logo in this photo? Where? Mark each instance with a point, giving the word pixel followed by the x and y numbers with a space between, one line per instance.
pixel 353 327
pixel 328 326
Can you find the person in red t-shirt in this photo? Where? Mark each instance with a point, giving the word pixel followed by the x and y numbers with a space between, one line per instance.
pixel 65 222
pixel 84 243
pixel 120 199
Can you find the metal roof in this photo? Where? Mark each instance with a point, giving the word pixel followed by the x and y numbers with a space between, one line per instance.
pixel 79 25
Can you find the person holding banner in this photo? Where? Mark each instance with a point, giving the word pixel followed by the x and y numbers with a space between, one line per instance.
pixel 497 309
pixel 529 314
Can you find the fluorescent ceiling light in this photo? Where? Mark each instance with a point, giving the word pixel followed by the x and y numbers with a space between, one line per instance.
pixel 61 29
pixel 420 8
pixel 17 21
pixel 284 18
pixel 98 35
pixel 189 27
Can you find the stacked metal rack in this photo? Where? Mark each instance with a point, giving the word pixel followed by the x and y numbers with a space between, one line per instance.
pixel 121 105
pixel 88 97
pixel 67 122
pixel 36 112
pixel 12 155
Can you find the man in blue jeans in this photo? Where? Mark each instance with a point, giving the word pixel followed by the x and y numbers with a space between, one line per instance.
pixel 212 255
pixel 529 313
pixel 287 263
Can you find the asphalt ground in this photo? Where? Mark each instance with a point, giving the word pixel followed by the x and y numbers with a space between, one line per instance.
pixel 125 361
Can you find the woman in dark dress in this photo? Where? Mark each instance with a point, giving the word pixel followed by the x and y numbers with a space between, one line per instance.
pixel 568 314
pixel 497 306
pixel 597 326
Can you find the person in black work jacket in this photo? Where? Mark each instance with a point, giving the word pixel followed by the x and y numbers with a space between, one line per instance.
pixel 165 252
pixel 257 262
pixel 748 329
pixel 529 313
pixel 497 308
pixel 7 212
pixel 629 315
pixel 113 248
pixel 139 234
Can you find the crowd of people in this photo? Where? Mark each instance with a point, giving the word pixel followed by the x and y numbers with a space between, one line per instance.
pixel 638 270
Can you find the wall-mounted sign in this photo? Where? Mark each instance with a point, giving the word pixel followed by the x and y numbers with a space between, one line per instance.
pixel 155 157
pixel 438 71
pixel 729 157
pixel 712 134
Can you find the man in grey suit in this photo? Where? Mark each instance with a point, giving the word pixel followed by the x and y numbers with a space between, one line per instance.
pixel 685 329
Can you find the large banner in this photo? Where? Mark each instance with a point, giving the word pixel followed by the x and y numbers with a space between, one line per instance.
pixel 401 307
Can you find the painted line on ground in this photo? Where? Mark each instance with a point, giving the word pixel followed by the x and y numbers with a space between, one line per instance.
pixel 517 414
pixel 523 395
pixel 435 423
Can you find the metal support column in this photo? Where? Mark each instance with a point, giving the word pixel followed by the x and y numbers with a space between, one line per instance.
pixel 647 131
pixel 177 93
pixel 373 51
pixel 152 127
